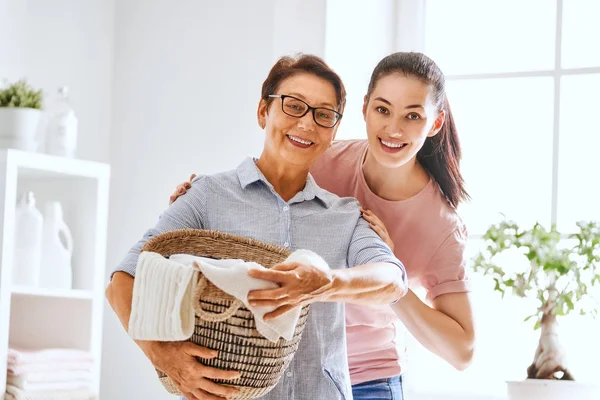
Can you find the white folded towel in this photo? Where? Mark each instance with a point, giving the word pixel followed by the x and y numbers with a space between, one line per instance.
pixel 21 356
pixel 161 308
pixel 22 381
pixel 26 368
pixel 14 393
pixel 230 275
pixel 19 383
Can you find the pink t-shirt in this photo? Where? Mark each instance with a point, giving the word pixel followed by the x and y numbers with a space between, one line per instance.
pixel 429 239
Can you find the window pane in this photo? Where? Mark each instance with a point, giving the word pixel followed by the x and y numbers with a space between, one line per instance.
pixel 578 185
pixel 581 33
pixel 505 128
pixel 474 36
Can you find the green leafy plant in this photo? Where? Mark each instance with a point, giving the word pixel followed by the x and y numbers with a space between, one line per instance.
pixel 22 95
pixel 558 273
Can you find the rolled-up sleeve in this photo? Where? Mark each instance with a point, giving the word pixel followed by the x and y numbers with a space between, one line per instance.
pixel 367 247
pixel 447 270
pixel 187 212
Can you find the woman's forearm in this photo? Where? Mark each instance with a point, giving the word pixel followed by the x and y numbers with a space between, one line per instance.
pixel 119 294
pixel 177 359
pixel 375 283
pixel 436 331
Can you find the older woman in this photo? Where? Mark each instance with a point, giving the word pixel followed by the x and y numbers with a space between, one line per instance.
pixel 275 200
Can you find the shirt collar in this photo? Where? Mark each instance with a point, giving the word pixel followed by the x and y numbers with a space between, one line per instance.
pixel 249 173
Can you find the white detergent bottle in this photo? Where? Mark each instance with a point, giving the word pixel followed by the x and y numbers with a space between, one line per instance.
pixel 57 249
pixel 61 135
pixel 28 242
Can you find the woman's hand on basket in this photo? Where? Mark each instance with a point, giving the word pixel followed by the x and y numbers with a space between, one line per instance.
pixel 181 189
pixel 299 284
pixel 178 361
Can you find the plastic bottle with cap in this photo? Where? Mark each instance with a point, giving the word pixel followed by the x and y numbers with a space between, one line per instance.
pixel 29 224
pixel 61 134
pixel 57 250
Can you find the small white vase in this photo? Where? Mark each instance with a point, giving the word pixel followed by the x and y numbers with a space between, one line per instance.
pixel 18 128
pixel 546 389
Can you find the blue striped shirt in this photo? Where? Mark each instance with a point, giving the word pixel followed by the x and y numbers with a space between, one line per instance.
pixel 242 202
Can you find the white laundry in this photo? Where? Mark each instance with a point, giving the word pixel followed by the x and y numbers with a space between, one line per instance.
pixel 14 393
pixel 161 307
pixel 229 275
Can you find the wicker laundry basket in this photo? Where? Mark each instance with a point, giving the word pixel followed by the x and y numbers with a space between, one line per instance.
pixel 222 322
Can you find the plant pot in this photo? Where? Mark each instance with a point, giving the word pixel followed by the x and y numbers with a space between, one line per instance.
pixel 18 128
pixel 546 389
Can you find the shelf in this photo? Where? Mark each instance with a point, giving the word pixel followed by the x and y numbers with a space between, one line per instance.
pixel 42 292
pixel 43 166
pixel 68 318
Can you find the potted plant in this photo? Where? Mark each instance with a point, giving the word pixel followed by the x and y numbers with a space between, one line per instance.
pixel 20 114
pixel 559 274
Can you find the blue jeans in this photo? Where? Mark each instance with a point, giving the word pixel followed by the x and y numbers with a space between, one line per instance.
pixel 379 389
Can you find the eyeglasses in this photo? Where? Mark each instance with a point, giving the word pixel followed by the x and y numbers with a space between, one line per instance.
pixel 297 108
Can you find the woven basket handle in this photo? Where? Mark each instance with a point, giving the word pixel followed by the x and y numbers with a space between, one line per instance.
pixel 210 316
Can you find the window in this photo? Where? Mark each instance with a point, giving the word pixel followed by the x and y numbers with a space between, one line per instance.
pixel 523 78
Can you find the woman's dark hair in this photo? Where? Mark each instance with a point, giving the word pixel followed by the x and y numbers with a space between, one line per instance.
pixel 288 66
pixel 440 154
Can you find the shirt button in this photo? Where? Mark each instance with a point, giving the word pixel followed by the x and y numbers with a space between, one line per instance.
pixel 285 208
pixel 288 374
pixel 286 244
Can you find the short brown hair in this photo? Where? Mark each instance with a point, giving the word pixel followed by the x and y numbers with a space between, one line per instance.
pixel 288 66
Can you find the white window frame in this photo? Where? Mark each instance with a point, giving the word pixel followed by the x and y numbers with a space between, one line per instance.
pixel 411 33
pixel 418 11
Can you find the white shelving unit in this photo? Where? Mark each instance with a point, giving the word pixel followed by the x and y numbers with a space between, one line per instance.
pixel 35 317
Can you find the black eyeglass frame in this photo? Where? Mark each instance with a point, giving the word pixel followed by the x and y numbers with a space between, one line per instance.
pixel 308 108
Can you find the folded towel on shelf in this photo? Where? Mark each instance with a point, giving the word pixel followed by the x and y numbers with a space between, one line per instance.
pixel 17 356
pixel 26 368
pixel 162 303
pixel 14 393
pixel 30 378
pixel 78 384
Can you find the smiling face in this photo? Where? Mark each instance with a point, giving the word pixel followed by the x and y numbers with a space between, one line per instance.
pixel 297 141
pixel 400 114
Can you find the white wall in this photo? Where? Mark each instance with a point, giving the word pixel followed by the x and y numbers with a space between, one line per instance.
pixel 359 34
pixel 12 39
pixel 64 42
pixel 187 81
pixel 299 26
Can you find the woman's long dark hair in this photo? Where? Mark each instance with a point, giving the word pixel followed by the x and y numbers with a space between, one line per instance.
pixel 440 154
